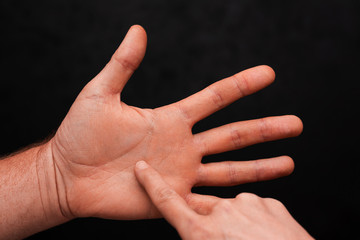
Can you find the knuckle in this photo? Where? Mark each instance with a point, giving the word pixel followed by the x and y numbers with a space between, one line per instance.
pixel 274 203
pixel 249 197
pixel 203 148
pixel 97 96
pixel 241 82
pixel 258 170
pixel 233 175
pixel 216 97
pixel 125 63
pixel 183 112
pixel 164 195
pixel 265 129
pixel 236 137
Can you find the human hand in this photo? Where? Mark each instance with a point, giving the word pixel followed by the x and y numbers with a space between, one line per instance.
pixel 245 217
pixel 101 138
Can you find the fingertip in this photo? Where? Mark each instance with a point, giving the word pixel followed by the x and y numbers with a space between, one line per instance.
pixel 138 29
pixel 300 124
pixel 288 165
pixel 137 38
pixel 258 77
pixel 289 125
pixel 141 165
pixel 269 71
pixel 140 172
pixel 297 124
pixel 274 167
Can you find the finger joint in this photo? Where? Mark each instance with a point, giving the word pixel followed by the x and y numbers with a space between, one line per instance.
pixel 241 83
pixel 125 63
pixel 264 129
pixel 232 174
pixel 216 97
pixel 236 137
pixel 164 195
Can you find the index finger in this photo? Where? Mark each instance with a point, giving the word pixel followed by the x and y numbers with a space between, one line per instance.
pixel 222 93
pixel 168 202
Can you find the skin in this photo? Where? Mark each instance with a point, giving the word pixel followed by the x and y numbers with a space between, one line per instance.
pixel 87 168
pixel 100 140
pixel 245 217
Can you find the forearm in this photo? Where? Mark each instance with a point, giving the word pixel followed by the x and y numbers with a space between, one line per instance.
pixel 28 193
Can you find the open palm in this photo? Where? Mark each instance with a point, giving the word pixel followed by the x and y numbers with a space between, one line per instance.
pixel 100 140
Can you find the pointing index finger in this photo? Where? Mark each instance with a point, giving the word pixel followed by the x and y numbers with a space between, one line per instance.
pixel 168 202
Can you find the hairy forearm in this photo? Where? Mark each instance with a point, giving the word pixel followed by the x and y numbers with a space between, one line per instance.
pixel 28 193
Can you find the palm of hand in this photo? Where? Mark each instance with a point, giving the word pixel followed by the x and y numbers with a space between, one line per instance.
pixel 107 140
pixel 100 140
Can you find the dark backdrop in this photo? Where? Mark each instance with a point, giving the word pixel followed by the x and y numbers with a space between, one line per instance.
pixel 51 49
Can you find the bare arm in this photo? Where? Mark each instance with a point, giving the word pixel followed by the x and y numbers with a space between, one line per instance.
pixel 28 196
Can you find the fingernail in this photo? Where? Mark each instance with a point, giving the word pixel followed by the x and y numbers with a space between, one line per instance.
pixel 141 165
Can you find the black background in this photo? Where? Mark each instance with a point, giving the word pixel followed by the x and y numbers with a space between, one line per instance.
pixel 51 49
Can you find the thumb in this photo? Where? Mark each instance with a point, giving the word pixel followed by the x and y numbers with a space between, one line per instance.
pixel 125 61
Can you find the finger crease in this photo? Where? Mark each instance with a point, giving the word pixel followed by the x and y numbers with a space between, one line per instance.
pixel 236 137
pixel 233 176
pixel 257 170
pixel 264 130
pixel 184 114
pixel 244 87
pixel 216 97
pixel 125 63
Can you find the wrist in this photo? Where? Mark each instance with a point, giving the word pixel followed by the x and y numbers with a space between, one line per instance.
pixel 28 196
pixel 50 188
